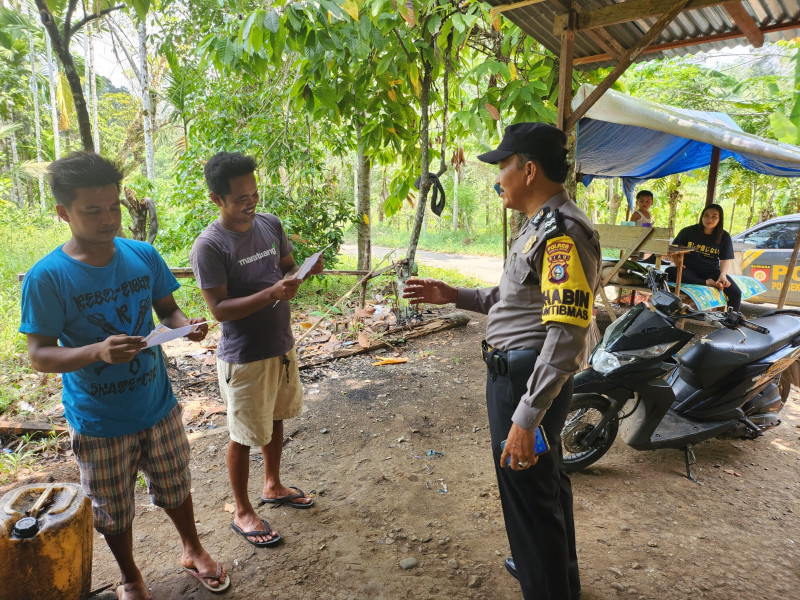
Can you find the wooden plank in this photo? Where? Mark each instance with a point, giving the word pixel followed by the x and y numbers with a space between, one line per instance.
pixel 739 15
pixel 25 427
pixel 505 235
pixel 496 10
pixel 609 309
pixel 624 12
pixel 565 77
pixel 606 41
pixel 697 41
pixel 645 233
pixel 713 172
pixel 186 272
pixel 787 281
pixel 623 237
pixel 625 62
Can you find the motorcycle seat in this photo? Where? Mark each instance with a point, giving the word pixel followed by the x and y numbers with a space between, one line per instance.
pixel 724 351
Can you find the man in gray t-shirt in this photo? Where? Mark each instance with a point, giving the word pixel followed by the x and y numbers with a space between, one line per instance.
pixel 241 262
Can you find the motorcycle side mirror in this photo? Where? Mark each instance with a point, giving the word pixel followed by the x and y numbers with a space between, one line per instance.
pixel 666 302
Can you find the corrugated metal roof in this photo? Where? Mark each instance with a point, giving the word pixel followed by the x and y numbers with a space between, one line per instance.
pixel 537 20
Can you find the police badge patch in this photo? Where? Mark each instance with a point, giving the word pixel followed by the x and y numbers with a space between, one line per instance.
pixel 565 290
pixel 558 258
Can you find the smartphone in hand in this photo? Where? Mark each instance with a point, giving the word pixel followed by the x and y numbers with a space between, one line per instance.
pixel 540 446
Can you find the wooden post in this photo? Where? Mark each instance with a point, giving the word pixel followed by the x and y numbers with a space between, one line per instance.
pixel 565 71
pixel 505 235
pixel 678 274
pixel 713 171
pixel 787 281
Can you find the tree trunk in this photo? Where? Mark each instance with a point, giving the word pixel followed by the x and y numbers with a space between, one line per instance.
pixel 37 120
pixel 362 206
pixel 17 195
pixel 752 204
pixel 733 212
pixel 591 205
pixel 515 224
pixel 613 199
pixel 355 182
pixel 143 216
pixel 424 143
pixel 455 199
pixel 674 197
pixel 93 87
pixel 61 45
pixel 144 81
pixel 571 184
pixel 53 105
pixel 384 193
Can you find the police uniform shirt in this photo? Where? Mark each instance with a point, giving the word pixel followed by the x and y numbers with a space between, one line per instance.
pixel 544 300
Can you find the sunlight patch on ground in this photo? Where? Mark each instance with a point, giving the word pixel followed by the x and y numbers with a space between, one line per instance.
pixel 780 445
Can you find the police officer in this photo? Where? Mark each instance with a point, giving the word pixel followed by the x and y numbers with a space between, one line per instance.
pixel 536 333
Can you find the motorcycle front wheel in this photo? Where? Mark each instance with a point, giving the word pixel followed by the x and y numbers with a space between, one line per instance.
pixel 585 412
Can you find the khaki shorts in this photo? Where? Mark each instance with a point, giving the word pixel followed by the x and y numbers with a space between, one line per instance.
pixel 258 393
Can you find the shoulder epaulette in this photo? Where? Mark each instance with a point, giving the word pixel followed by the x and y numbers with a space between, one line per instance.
pixel 553 225
pixel 587 230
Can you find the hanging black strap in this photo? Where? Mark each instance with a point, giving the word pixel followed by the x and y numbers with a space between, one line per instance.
pixel 437 203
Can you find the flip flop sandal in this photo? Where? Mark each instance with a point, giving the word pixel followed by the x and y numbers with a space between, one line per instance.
pixel 287 500
pixel 251 534
pixel 201 577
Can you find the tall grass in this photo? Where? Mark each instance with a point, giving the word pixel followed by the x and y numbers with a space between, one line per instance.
pixel 24 239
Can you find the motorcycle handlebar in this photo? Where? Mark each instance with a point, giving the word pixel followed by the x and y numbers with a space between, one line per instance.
pixel 754 327
pixel 731 319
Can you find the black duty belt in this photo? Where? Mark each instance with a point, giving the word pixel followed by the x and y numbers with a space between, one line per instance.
pixel 517 364
pixel 495 359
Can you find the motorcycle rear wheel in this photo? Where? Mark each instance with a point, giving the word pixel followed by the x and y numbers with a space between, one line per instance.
pixel 585 412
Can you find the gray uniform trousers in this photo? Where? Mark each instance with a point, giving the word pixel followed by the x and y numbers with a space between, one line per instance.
pixel 537 502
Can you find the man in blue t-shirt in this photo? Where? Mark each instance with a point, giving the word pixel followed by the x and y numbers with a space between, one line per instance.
pixel 86 308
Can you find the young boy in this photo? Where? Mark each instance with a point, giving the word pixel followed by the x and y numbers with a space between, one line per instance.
pixel 86 308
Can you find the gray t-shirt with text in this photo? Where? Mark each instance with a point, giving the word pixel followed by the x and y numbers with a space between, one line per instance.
pixel 247 263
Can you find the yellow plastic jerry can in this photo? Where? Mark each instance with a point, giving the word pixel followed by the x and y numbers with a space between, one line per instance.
pixel 46 542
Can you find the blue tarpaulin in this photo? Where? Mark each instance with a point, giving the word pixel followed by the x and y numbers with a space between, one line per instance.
pixel 637 140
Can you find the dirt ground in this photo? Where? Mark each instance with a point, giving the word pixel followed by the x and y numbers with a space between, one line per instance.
pixel 644 531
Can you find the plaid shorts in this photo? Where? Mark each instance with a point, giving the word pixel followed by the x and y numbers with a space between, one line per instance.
pixel 109 467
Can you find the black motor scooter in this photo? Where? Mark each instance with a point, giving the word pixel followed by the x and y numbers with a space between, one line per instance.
pixel 730 383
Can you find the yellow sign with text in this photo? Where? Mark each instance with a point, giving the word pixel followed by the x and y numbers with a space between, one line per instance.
pixel 567 295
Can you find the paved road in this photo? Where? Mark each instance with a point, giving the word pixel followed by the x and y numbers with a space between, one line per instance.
pixel 485 268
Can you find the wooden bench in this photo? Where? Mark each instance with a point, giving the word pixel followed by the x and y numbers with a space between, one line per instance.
pixel 628 241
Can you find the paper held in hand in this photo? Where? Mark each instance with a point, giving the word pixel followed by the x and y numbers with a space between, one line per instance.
pixel 308 264
pixel 162 334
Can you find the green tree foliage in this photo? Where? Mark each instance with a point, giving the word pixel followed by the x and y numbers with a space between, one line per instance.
pixel 230 94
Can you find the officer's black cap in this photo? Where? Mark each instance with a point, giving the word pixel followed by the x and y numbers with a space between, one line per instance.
pixel 534 139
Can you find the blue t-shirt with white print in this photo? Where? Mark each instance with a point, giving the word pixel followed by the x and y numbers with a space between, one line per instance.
pixel 80 305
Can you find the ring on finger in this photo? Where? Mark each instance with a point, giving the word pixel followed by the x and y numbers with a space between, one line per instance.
pixel 524 464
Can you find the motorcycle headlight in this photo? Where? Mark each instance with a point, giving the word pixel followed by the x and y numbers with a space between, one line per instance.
pixel 604 362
